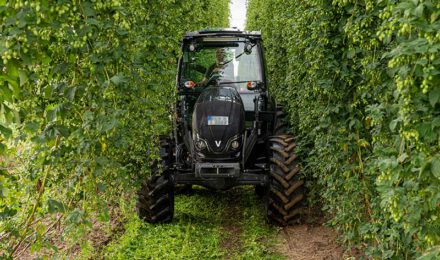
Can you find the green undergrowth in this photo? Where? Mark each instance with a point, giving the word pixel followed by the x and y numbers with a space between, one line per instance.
pixel 360 81
pixel 258 237
pixel 86 88
pixel 198 229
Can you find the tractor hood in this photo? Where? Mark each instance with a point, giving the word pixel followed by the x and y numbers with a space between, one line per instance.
pixel 218 123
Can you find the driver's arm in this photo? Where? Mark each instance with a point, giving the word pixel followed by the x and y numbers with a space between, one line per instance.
pixel 207 75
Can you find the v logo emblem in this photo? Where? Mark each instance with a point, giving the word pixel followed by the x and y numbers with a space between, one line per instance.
pixel 218 143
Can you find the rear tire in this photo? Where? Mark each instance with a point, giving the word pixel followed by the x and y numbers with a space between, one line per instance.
pixel 280 125
pixel 284 199
pixel 155 202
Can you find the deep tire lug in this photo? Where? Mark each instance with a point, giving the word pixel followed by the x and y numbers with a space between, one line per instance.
pixel 155 202
pixel 286 195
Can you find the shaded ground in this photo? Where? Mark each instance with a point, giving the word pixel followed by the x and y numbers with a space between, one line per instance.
pixel 244 224
pixel 306 241
pixel 312 240
pixel 99 236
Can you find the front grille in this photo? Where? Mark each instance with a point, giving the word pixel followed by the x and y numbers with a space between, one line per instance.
pixel 204 170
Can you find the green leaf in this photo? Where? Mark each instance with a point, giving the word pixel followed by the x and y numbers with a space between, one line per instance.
pixel 109 125
pixel 55 206
pixel 7 132
pixel 424 129
pixel 53 111
pixel 101 160
pixel 402 157
pixel 75 217
pixel 5 92
pixel 7 213
pixel 101 187
pixel 71 93
pixel 104 214
pixel 388 163
pixel 23 77
pixel 3 149
pixel 419 10
pixel 435 123
pixel 435 166
pixel 434 96
pixel 393 124
pixel 118 80
pixel 3 191
pixel 31 127
pixel 12 70
pixel 51 115
pixel 13 84
pixel 93 21
pixel 431 254
pixel 351 53
pixel 88 9
pixel 406 5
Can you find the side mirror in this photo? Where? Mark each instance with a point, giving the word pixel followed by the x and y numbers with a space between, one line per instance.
pixel 248 48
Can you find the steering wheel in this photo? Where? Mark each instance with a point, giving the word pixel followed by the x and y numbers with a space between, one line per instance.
pixel 214 77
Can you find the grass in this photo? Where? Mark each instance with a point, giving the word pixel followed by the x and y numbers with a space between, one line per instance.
pixel 258 237
pixel 198 230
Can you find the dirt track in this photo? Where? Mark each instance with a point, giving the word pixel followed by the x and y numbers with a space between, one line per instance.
pixel 310 240
pixel 306 241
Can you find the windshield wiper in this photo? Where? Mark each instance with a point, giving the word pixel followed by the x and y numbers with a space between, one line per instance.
pixel 233 82
pixel 239 55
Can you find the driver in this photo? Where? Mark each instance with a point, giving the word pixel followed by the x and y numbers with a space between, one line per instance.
pixel 215 68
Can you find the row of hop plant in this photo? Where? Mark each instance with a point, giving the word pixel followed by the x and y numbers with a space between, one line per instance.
pixel 361 83
pixel 85 89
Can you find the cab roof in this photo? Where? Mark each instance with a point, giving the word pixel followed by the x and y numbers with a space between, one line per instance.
pixel 219 32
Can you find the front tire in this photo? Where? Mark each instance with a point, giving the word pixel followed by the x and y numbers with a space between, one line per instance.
pixel 155 202
pixel 286 191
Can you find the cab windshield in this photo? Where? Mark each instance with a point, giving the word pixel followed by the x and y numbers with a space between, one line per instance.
pixel 232 64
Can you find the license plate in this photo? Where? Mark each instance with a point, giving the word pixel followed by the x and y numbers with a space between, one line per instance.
pixel 218 120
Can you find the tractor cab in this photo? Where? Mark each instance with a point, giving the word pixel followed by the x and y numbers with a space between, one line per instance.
pixel 223 58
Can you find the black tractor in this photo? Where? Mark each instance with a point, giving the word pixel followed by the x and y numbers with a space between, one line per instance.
pixel 228 131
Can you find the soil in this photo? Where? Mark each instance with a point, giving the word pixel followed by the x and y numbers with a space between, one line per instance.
pixel 312 240
pixel 307 241
pixel 99 236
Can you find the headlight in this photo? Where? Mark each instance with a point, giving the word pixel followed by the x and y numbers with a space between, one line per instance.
pixel 235 144
pixel 200 145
